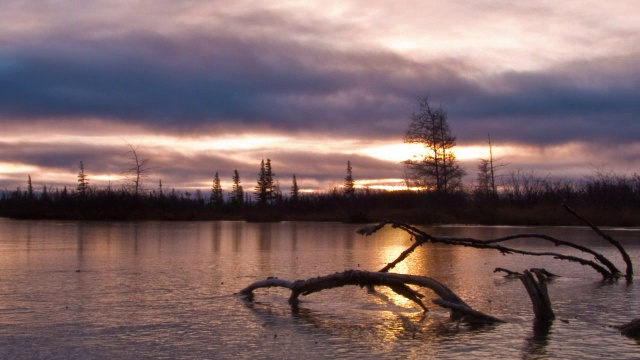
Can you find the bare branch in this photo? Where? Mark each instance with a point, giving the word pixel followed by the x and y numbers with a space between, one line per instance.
pixel 422 237
pixel 625 256
pixel 396 282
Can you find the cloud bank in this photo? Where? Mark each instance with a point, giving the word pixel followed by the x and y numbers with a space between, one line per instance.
pixel 530 74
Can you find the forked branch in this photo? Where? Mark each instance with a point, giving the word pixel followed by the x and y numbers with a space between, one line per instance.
pixel 608 271
pixel 399 283
pixel 534 280
pixel 625 256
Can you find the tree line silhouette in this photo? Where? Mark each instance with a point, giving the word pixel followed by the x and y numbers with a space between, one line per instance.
pixel 520 198
pixel 267 202
pixel 516 197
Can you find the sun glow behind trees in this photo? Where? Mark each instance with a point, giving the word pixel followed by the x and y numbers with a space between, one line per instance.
pixel 247 149
pixel 317 160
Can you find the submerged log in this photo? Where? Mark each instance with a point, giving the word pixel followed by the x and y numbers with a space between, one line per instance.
pixel 396 282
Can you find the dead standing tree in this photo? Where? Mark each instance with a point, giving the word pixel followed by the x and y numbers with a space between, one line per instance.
pixel 139 169
pixel 534 280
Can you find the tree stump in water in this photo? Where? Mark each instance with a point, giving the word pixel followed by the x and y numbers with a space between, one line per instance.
pixel 536 284
pixel 631 329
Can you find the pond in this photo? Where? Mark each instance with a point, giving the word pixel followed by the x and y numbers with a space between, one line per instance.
pixel 165 290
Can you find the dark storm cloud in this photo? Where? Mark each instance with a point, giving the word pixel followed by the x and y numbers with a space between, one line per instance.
pixel 57 157
pixel 193 81
pixel 578 102
pixel 189 81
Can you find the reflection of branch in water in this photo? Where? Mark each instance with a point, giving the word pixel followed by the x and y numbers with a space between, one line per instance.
pixel 386 329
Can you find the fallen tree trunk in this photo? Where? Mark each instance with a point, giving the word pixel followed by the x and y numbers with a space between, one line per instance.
pixel 396 282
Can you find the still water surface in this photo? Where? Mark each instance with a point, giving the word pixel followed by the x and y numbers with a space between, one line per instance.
pixel 160 290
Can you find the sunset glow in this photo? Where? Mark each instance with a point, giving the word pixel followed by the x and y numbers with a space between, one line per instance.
pixel 6 168
pixel 200 88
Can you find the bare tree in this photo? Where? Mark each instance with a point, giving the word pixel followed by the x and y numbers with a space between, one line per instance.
pixel 488 172
pixel 138 169
pixel 492 178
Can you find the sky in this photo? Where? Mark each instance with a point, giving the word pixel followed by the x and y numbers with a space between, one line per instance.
pixel 200 87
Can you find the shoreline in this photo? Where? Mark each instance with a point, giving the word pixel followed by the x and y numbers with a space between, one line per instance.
pixel 501 216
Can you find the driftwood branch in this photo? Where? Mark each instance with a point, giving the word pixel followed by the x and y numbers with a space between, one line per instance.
pixel 517 274
pixel 534 280
pixel 421 237
pixel 625 256
pixel 396 282
pixel 544 272
pixel 466 313
pixel 508 272
pixel 269 282
pixel 612 269
pixel 403 255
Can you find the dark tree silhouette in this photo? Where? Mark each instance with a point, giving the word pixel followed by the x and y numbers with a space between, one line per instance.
pixel 349 188
pixel 483 179
pixel 30 193
pixel 216 192
pixel 265 190
pixel 237 194
pixel 438 169
pixel 44 197
pixel 83 180
pixel 295 191
pixel 261 188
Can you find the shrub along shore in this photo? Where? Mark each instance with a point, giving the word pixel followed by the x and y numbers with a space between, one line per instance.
pixel 605 203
